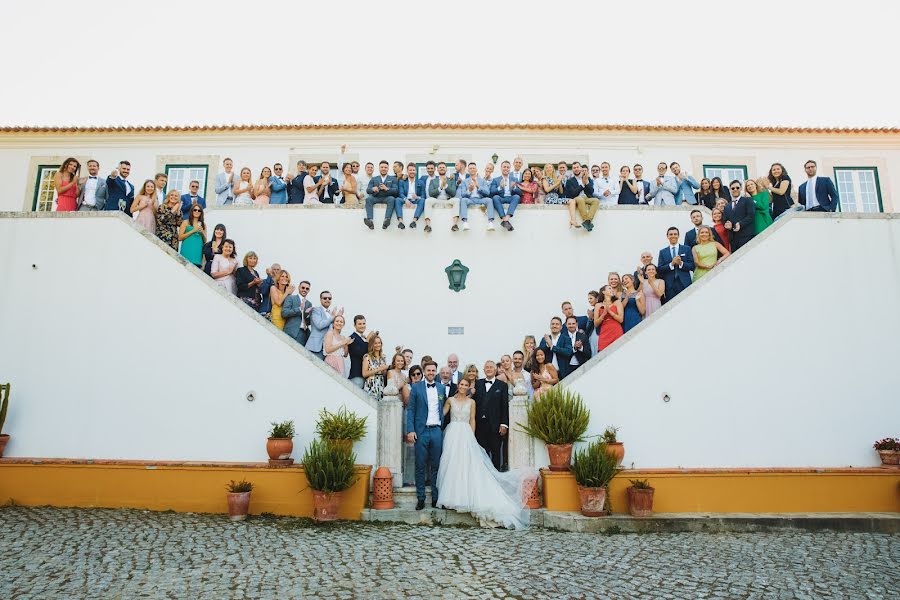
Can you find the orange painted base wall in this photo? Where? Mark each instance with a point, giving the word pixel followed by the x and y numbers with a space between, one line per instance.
pixel 182 487
pixel 749 490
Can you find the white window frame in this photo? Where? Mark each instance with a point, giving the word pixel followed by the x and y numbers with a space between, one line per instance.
pixel 733 172
pixel 44 190
pixel 184 174
pixel 859 189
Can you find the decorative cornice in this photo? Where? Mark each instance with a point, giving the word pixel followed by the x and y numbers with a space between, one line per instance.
pixel 312 127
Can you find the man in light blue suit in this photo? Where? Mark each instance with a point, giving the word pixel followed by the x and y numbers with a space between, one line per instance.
pixel 279 186
pixel 424 418
pixel 818 194
pixel 475 190
pixel 686 185
pixel 504 190
pixel 225 184
pixel 383 189
pixel 320 321
pixel 663 188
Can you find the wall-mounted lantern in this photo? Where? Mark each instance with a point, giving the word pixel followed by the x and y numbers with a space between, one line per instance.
pixel 456 275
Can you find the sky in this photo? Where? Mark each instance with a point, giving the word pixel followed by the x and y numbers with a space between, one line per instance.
pixel 788 63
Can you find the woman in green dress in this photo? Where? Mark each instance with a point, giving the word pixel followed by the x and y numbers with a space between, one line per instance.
pixel 707 253
pixel 192 234
pixel 763 201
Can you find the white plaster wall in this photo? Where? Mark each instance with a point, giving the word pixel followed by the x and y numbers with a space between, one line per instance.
pixel 786 357
pixel 117 350
pixel 516 283
pixel 260 148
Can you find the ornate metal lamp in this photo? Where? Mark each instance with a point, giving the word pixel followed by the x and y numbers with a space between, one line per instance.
pixel 456 274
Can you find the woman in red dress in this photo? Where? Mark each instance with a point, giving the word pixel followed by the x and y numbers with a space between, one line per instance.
pixel 66 183
pixel 608 316
pixel 528 186
pixel 719 226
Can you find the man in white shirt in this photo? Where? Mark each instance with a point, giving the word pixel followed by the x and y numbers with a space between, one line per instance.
pixel 160 180
pixel 424 418
pixel 663 188
pixel 563 171
pixel 453 364
pixel 362 181
pixel 92 194
pixel 518 359
pixel 225 184
pixel 517 168
pixel 606 189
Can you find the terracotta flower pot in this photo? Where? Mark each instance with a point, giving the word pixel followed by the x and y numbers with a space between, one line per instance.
pixel 279 448
pixel 4 439
pixel 346 445
pixel 560 456
pixel 592 500
pixel 530 494
pixel 617 451
pixel 325 505
pixel 238 505
pixel 888 457
pixel 640 501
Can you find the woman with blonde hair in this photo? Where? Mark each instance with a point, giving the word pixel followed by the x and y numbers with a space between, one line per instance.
pixel 168 220
pixel 277 293
pixel 143 209
pixel 762 198
pixel 243 189
pixel 65 182
pixel 335 345
pixel 615 282
pixel 707 253
pixel 248 281
pixel 374 367
pixel 553 187
pixel 528 346
pixel 262 189
pixel 471 375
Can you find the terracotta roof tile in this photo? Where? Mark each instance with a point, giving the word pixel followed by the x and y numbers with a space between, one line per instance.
pixel 448 127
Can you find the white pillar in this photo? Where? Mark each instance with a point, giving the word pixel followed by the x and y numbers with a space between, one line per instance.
pixel 521 453
pixel 390 431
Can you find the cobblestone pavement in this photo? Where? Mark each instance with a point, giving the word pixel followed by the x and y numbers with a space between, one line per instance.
pixel 70 553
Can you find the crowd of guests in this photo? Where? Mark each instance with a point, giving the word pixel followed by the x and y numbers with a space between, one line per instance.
pixel 396 186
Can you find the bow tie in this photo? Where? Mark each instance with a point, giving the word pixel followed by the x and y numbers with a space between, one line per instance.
pixel 489 381
pixel 431 385
pixel 92 177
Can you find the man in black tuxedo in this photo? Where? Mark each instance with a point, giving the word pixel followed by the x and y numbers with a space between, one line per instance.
pixel 740 217
pixel 295 190
pixel 491 413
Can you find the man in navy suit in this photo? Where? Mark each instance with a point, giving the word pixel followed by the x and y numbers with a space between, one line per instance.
pixel 740 216
pixel 675 265
pixel 421 192
pixel 581 346
pixel 382 189
pixel 194 197
pixel 643 186
pixel 690 236
pixel 329 187
pixel 557 347
pixel 504 190
pixel 120 192
pixel 424 418
pixel 295 190
pixel 818 194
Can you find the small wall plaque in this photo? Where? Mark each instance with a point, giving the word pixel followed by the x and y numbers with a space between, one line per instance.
pixel 456 330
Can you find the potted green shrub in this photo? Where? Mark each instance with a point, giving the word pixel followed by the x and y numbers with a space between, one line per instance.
pixel 4 405
pixel 329 470
pixel 238 499
pixel 888 448
pixel 616 448
pixel 640 498
pixel 280 443
pixel 593 468
pixel 341 428
pixel 559 418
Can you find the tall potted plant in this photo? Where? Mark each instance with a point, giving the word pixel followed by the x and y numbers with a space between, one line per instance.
pixel 329 470
pixel 341 428
pixel 4 405
pixel 559 418
pixel 280 443
pixel 888 449
pixel 594 468
pixel 616 448
pixel 238 499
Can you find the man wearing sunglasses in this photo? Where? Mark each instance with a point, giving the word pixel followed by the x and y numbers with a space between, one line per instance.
pixel 189 199
pixel 321 319
pixel 740 215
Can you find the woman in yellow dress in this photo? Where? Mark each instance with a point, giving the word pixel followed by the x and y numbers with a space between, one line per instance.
pixel 707 253
pixel 277 293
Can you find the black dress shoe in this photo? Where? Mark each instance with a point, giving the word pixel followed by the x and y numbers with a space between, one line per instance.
pixel 454 228
pixel 420 505
pixel 428 229
pixel 588 225
pixel 434 504
pixel 369 223
pixel 412 225
pixel 400 225
pixel 386 224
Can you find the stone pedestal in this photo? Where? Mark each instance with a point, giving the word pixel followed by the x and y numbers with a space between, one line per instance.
pixel 390 432
pixel 521 452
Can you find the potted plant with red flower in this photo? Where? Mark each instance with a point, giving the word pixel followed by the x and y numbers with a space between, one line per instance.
pixel 889 450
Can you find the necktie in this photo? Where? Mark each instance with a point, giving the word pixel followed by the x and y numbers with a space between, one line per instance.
pixel 673 252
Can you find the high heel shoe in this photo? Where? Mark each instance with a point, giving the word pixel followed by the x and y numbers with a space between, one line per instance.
pixel 573 225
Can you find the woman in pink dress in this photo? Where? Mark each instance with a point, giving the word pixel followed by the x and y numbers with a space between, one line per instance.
pixel 143 209
pixel 528 186
pixel 543 374
pixel 653 289
pixel 336 345
pixel 66 183
pixel 608 315
pixel 261 189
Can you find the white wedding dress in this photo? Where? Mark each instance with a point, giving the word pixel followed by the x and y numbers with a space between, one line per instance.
pixel 468 482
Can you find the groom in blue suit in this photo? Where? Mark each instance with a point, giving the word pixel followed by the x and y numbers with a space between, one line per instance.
pixel 424 417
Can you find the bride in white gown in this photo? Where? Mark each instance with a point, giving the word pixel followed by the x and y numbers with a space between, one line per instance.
pixel 467 480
